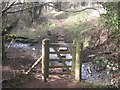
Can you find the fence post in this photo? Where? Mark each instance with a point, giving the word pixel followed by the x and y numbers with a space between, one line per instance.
pixel 45 58
pixel 73 56
pixel 79 48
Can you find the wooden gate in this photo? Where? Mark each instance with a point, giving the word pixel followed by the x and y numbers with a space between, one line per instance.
pixel 73 49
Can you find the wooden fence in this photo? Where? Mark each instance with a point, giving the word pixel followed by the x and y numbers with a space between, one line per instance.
pixel 74 49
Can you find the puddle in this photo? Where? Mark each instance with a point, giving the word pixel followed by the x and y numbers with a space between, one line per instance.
pixel 19 45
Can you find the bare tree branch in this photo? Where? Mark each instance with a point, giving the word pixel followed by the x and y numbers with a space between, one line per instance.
pixel 10 6
pixel 5 9
pixel 8 29
pixel 26 8
pixel 74 10
pixel 81 9
pixel 9 45
pixel 19 10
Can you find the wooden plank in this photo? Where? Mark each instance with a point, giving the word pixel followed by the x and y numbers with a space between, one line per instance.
pixel 78 64
pixel 61 52
pixel 63 48
pixel 45 58
pixel 61 44
pixel 60 39
pixel 79 48
pixel 73 57
pixel 58 73
pixel 59 60
pixel 54 45
pixel 38 61
pixel 59 66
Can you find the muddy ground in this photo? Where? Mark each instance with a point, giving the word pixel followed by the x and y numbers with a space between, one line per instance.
pixel 19 60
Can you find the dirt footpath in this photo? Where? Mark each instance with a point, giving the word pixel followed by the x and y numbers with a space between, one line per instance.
pixel 53 82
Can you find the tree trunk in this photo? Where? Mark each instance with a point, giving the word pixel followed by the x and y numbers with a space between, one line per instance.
pixel 3 48
pixel 4 20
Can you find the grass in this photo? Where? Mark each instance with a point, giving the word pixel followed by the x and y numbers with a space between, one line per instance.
pixel 74 25
pixel 76 28
pixel 34 32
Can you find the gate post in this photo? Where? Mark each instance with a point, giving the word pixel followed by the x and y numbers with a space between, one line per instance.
pixel 78 63
pixel 73 56
pixel 45 58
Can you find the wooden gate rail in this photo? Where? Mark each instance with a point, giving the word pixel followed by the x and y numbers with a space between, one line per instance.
pixel 60 60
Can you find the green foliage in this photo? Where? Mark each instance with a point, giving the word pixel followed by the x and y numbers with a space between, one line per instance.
pixel 100 62
pixel 103 62
pixel 111 17
pixel 96 85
